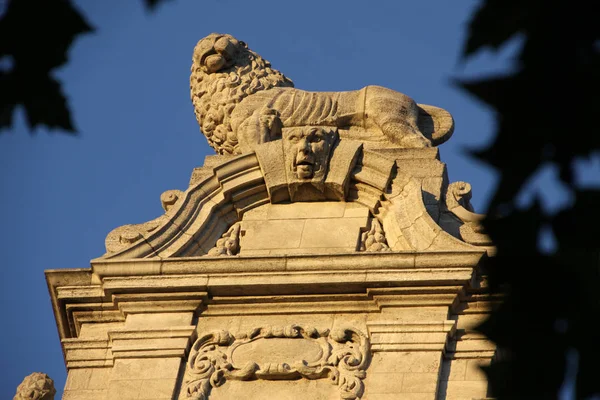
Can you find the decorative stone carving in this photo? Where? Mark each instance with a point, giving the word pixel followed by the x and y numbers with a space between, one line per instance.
pixel 229 243
pixel 459 195
pixel 123 236
pixel 169 198
pixel 37 386
pixel 309 164
pixel 374 240
pixel 341 356
pixel 458 202
pixel 307 151
pixel 240 101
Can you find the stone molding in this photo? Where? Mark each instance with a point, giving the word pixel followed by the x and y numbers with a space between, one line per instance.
pixel 128 343
pixel 372 300
pixel 410 335
pixel 341 357
pixel 465 223
pixel 468 343
pixel 171 269
pixel 129 234
pixel 87 353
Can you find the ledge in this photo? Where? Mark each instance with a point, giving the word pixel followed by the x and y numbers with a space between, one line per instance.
pixel 279 263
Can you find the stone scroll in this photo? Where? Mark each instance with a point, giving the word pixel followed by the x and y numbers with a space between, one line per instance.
pixel 278 353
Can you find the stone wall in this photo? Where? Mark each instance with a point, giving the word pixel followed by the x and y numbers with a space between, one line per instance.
pixel 302 228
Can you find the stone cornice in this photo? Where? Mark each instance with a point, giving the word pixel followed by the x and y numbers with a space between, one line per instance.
pixel 111 289
pixel 313 262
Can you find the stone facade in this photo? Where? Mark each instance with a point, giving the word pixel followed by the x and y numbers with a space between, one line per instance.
pixel 313 265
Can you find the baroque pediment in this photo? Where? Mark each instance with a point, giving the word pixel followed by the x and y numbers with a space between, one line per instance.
pixel 398 199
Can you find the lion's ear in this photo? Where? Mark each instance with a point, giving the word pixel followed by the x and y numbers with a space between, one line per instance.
pixel 243 44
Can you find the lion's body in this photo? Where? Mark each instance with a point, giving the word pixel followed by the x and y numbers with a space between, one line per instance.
pixel 236 104
pixel 299 108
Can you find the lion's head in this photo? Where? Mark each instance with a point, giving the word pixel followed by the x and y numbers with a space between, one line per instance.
pixel 37 386
pixel 224 72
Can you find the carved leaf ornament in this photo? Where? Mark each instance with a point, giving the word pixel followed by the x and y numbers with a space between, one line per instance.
pixel 339 356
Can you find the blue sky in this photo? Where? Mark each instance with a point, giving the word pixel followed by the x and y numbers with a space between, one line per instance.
pixel 129 92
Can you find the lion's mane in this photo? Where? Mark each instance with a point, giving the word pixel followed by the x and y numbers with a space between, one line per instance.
pixel 215 95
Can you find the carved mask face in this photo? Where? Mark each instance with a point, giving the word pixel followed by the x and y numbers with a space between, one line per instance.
pixel 307 151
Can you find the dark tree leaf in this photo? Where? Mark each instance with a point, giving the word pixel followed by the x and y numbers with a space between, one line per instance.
pixel 497 91
pixel 581 218
pixel 497 21
pixel 538 376
pixel 523 241
pixel 589 353
pixel 46 105
pixel 546 113
pixel 151 4
pixel 7 99
pixel 517 147
pixel 37 34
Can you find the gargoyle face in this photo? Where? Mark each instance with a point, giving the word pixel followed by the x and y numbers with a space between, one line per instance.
pixel 307 150
pixel 216 52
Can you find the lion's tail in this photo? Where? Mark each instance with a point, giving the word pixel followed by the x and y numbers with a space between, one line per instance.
pixel 435 123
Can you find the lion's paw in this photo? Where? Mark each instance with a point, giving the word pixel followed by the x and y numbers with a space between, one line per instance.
pixel 414 141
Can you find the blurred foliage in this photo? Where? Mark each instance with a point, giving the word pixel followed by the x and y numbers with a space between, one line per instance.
pixel 545 113
pixel 35 37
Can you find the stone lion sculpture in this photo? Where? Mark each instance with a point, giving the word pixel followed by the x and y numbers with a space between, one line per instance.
pixel 240 101
pixel 37 386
